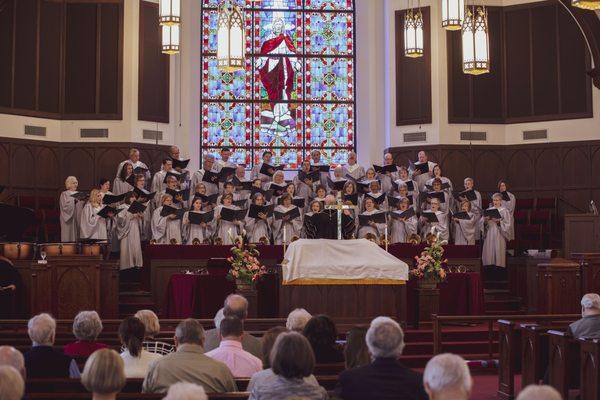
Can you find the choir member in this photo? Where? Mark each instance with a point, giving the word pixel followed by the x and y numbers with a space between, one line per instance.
pixel 240 176
pixel 104 186
pixel 404 178
pixel 172 184
pixel 476 206
pixel 129 228
pixel 352 168
pixel 377 195
pixel 124 181
pixel 421 177
pixel 174 153
pixel 403 192
pixel 267 156
pixel 496 235
pixel 258 230
pixel 224 160
pixel 134 159
pixel 376 229
pixel 315 157
pixel 277 185
pixel 309 230
pixel 197 233
pixel 389 177
pixel 140 184
pixel 93 226
pixel 464 229
pixel 440 226
pixel 166 230
pixel 509 201
pixel 285 229
pixel 338 176
pixel 437 173
pixel 158 184
pixel 198 176
pixel 402 228
pixel 70 211
pixel 305 186
pixel 350 196
pixel 229 188
pixel 227 230
pixel 199 190
pixel 436 186
pixel 320 193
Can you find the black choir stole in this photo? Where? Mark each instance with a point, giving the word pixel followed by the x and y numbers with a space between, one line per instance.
pixel 324 225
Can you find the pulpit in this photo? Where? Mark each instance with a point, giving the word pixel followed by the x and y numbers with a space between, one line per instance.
pixel 557 284
pixel 63 286
pixel 582 234
pixel 589 264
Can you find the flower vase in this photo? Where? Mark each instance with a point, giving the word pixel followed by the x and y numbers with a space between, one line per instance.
pixel 250 293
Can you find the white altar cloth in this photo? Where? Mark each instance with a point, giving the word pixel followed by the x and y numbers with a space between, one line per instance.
pixel 341 262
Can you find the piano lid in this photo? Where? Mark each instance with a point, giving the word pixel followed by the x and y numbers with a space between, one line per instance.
pixel 14 222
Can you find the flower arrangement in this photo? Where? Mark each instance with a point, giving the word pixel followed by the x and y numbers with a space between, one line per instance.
pixel 245 269
pixel 430 262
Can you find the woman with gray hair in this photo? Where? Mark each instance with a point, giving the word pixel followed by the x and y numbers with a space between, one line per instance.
pixel 104 375
pixel 297 319
pixel 497 233
pixel 447 376
pixel 70 211
pixel 589 324
pixel 152 325
pixel 86 328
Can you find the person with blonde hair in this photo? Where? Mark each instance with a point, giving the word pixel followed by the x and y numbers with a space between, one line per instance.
pixel 166 229
pixel 104 374
pixel 93 226
pixel 70 211
pixel 152 325
pixel 497 233
pixel 86 328
pixel 12 385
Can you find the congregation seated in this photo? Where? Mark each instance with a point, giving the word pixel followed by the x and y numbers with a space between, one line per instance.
pixel 321 334
pixel 137 360
pixel 42 360
pixel 12 386
pixel 11 357
pixel 189 363
pixel 104 374
pixel 447 377
pixel 356 353
pixel 230 352
pixel 292 361
pixel 589 325
pixel 539 392
pixel 297 319
pixel 186 391
pixel 86 328
pixel 385 376
pixel 234 306
pixel 152 325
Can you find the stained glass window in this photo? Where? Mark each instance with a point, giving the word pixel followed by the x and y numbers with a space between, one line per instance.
pixel 296 93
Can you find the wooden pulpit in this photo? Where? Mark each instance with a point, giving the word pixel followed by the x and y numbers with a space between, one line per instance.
pixel 558 287
pixel 582 234
pixel 589 264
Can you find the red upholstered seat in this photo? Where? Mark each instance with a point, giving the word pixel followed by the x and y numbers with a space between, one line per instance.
pixel 521 217
pixel 27 201
pixel 524 204
pixel 46 202
pixel 546 204
pixel 529 236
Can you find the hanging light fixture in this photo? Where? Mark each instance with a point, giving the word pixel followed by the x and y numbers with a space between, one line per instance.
pixel 413 33
pixel 475 41
pixel 170 39
pixel 586 4
pixel 169 12
pixel 453 14
pixel 231 43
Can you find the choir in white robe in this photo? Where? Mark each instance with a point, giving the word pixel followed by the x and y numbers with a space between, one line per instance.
pixel 165 229
pixel 226 229
pixel 378 230
pixel 429 183
pixel 422 179
pixel 510 206
pixel 120 186
pixel 92 225
pixel 441 226
pixel 128 227
pixel 496 236
pixel 257 229
pixel 464 230
pixel 355 171
pixel 137 164
pixel 195 231
pixel 255 174
pixel 302 188
pixel 70 215
pixel 292 228
pixel 211 188
pixel 400 231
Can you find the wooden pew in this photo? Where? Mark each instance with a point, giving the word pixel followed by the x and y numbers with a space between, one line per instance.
pixel 563 355
pixel 509 348
pixel 534 356
pixel 128 396
pixel 589 385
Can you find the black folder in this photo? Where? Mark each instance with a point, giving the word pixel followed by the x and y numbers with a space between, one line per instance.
pixel 180 163
pixel 270 170
pixel 352 198
pixel 112 199
pixel 136 208
pixel 378 218
pixel 212 199
pixel 104 212
pixel 168 210
pixel 461 215
pixel 229 214
pixel 185 194
pixel 226 173
pixel 293 214
pixel 210 177
pixel 385 169
pixel 492 213
pixel 430 217
pixel 197 218
pixel 336 185
pixel 80 196
pixel 255 210
pixel 409 213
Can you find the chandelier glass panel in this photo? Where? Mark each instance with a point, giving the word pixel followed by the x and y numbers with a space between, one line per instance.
pixel 453 14
pixel 413 33
pixel 475 41
pixel 587 4
pixel 170 20
pixel 231 44
pixel 170 39
pixel 170 12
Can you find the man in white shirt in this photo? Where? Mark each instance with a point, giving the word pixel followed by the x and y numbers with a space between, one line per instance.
pixel 230 352
pixel 134 159
pixel 315 156
pixel 255 173
pixel 207 165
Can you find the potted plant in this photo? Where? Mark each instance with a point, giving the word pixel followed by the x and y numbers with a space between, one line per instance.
pixel 246 268
pixel 430 264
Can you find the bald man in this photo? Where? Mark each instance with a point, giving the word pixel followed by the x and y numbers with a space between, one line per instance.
pixel 13 358
pixel 422 178
pixel 389 177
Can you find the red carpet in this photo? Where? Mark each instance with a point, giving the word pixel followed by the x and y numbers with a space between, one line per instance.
pixel 485 387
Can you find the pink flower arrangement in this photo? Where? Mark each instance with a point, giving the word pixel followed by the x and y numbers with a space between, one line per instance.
pixel 430 264
pixel 245 266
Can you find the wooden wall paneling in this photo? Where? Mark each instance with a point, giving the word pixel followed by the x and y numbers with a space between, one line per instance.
pixel 79 162
pixel 110 75
pixel 49 65
pixel 489 169
pixel 574 176
pixel 459 84
pixel 413 76
pixel 544 58
pixel 25 54
pixel 153 79
pixel 107 161
pixel 520 170
pixel 4 164
pixel 518 62
pixel 6 51
pixel 46 166
pixel 546 173
pixel 22 163
pixel 454 165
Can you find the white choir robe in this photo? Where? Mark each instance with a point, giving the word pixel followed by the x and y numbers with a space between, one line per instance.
pixel 383 206
pixel 444 180
pixel 445 206
pixel 224 227
pixel 464 230
pixel 441 226
pixel 302 189
pixel 255 174
pixel 386 182
pixel 400 231
pixel 128 227
pixel 211 188
pixel 165 229
pixel 322 176
pixel 92 225
pixel 292 228
pixel 476 208
pixel 135 165
pixel 378 230
pixel 70 216
pixel 355 171
pixel 194 231
pixel 422 179
pixel 120 187
pixel 146 222
pixel 496 236
pixel 510 206
pixel 257 228
pixel 158 184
